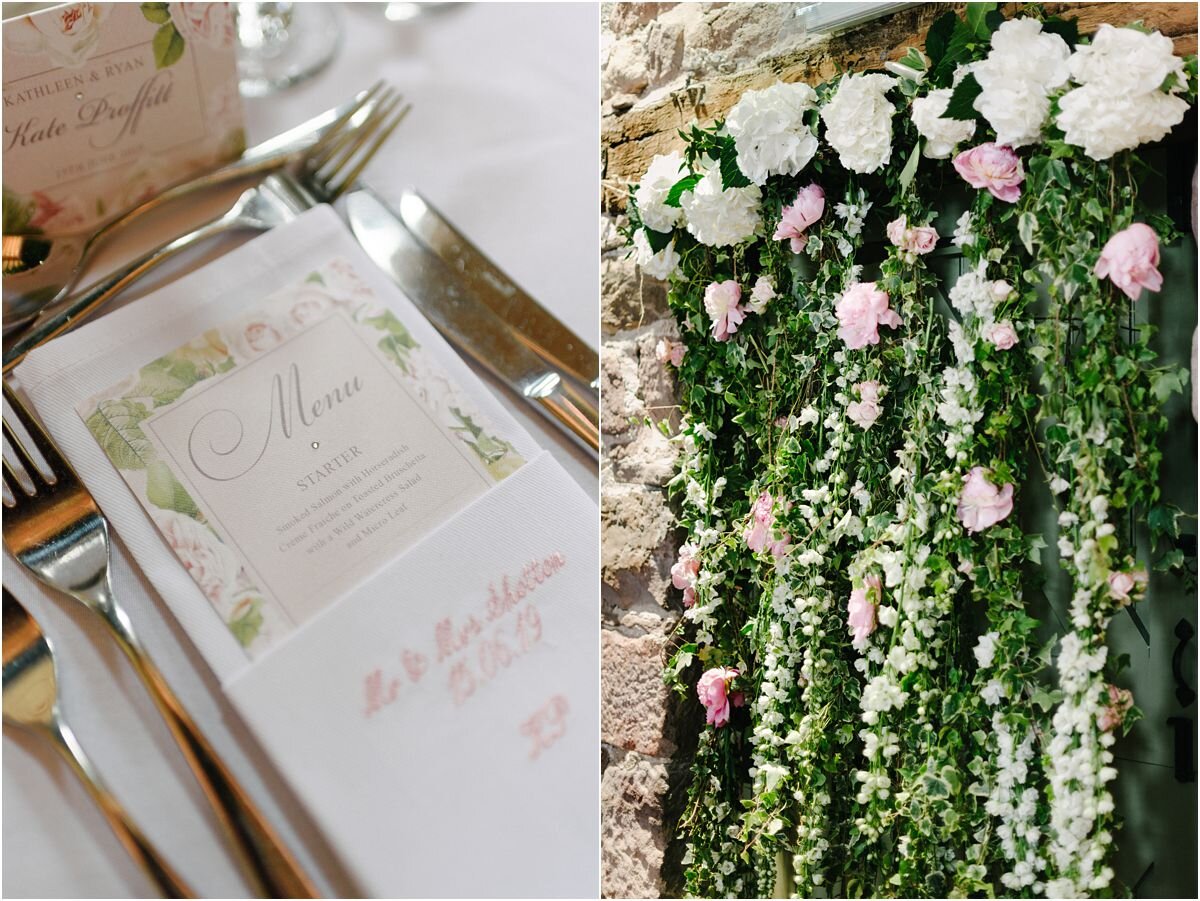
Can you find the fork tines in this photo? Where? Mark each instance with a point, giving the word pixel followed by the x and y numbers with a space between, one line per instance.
pixel 372 120
pixel 53 460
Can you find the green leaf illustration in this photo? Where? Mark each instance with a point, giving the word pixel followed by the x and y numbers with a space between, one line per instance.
pixel 166 379
pixel 164 491
pixel 315 278
pixel 115 425
pixel 168 46
pixel 246 625
pixel 158 13
pixel 17 213
pixel 397 341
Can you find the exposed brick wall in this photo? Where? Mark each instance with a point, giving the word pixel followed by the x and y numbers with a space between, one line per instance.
pixel 664 65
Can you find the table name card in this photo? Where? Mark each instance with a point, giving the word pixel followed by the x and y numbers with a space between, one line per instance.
pixel 108 103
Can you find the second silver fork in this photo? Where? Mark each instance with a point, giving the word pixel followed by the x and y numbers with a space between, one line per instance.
pixel 327 169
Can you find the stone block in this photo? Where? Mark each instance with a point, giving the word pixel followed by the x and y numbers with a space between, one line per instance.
pixel 635 703
pixel 632 835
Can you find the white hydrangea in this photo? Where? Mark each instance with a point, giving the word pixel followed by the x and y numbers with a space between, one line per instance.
pixel 653 189
pixel 770 133
pixel 858 121
pixel 941 135
pixel 985 650
pixel 1119 104
pixel 1024 65
pixel 717 216
pixel 656 265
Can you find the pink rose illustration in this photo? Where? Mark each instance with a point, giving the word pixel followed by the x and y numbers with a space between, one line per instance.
pixel 981 503
pixel 861 310
pixel 762 517
pixel 255 337
pixel 866 409
pixel 1002 335
pixel 806 209
pixel 309 305
pixel 714 692
pixel 211 23
pixel 722 301
pixel 68 36
pixel 862 609
pixel 994 167
pixel 213 566
pixel 1130 260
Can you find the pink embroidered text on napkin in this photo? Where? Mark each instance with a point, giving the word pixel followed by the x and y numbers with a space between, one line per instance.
pixel 107 103
pixel 288 453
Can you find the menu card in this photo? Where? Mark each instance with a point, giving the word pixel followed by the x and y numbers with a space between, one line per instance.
pixel 105 104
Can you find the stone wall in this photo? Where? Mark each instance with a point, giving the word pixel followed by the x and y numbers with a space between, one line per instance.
pixel 664 65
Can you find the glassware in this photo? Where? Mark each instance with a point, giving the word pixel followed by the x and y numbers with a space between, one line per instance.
pixel 280 44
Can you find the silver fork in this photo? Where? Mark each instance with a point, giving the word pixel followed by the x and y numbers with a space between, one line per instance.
pixel 327 169
pixel 55 529
pixel 31 701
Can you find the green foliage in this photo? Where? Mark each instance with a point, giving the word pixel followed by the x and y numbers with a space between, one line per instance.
pixel 168 46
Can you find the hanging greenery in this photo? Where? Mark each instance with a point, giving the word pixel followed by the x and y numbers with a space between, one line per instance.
pixel 880 715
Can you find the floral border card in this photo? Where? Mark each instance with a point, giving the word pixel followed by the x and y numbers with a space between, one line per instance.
pixel 290 452
pixel 108 103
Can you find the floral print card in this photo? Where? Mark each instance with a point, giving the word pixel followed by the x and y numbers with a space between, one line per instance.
pixel 290 452
pixel 108 103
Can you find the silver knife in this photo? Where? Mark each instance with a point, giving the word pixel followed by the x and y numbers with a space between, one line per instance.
pixel 533 324
pixel 470 326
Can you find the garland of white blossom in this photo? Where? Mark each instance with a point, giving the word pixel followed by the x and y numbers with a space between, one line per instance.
pixel 850 459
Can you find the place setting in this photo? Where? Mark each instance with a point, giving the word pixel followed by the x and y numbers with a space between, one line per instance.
pixel 303 480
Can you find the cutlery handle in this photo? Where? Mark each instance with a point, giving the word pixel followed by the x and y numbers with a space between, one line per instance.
pixel 571 409
pixel 272 870
pixel 168 882
pixel 57 319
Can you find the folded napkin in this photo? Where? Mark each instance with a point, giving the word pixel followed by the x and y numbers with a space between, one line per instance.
pixel 390 580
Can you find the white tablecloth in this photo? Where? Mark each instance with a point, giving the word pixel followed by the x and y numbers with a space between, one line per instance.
pixel 502 139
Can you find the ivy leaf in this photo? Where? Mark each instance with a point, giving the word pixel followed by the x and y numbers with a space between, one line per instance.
pixel 1164 519
pixel 168 46
pixel 679 188
pixel 1026 226
pixel 962 101
pixel 910 168
pixel 731 173
pixel 1165 382
pixel 156 13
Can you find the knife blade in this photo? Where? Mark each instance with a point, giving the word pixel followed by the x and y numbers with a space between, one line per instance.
pixel 467 324
pixel 533 324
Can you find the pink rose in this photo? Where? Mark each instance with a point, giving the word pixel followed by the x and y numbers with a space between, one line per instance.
pixel 714 691
pixel 722 301
pixel 920 239
pixel 781 545
pixel 762 517
pixel 863 609
pixel 981 503
pixel 861 310
pixel 994 167
pixel 1120 701
pixel 865 410
pixel 309 305
pixel 1123 585
pixel 1130 260
pixel 668 351
pixel 1002 335
pixel 261 336
pixel 806 209
pixel 684 573
pixel 211 23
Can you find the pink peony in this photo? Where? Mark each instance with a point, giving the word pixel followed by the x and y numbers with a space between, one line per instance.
pixel 863 607
pixel 1130 260
pixel 781 545
pixel 861 310
pixel 713 689
pixel 1120 701
pixel 994 167
pixel 866 409
pixel 722 301
pixel 1002 335
pixel 981 503
pixel 762 517
pixel 806 209
pixel 919 239
pixel 668 351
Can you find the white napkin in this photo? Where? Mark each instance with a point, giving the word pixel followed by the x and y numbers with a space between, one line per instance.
pixel 501 777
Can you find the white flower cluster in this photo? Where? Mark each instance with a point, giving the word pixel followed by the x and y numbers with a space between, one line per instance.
pixel 941 135
pixel 1121 102
pixel 1024 66
pixel 858 121
pixel 853 212
pixel 769 131
pixel 719 216
pixel 653 189
pixel 656 265
pixel 1015 803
